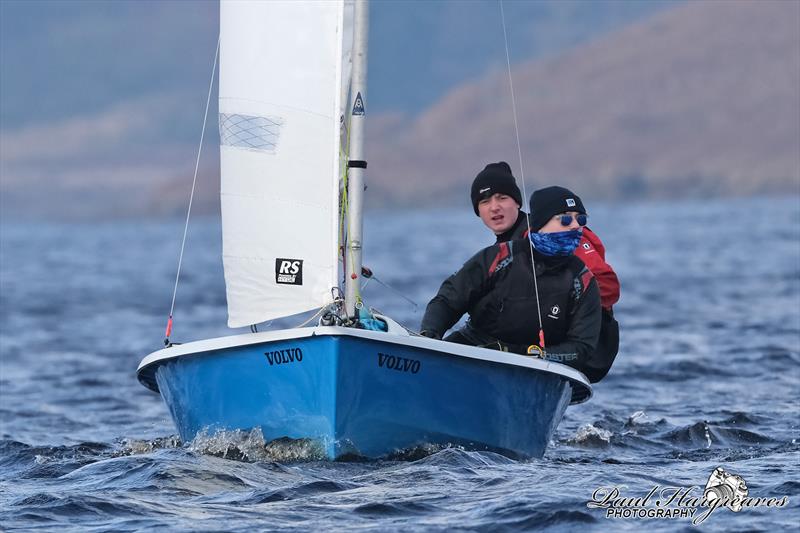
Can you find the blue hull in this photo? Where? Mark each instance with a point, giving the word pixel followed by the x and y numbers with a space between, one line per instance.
pixel 363 393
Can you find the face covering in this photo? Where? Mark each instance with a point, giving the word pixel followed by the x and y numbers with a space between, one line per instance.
pixel 558 243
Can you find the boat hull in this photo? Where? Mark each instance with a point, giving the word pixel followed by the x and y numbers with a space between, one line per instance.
pixel 365 393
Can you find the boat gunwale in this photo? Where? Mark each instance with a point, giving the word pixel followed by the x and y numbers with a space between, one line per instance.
pixel 449 348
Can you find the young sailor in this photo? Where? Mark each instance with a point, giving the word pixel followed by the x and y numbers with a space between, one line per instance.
pixel 496 287
pixel 497 200
pixel 592 252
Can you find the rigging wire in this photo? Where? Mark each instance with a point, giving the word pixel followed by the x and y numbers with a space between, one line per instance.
pixel 191 196
pixel 369 276
pixel 521 171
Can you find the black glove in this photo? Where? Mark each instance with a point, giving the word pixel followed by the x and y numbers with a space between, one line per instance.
pixel 430 334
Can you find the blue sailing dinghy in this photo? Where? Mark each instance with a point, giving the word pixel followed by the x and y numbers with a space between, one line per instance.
pixel 292 105
pixel 364 393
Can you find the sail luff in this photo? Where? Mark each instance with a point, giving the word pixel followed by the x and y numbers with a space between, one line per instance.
pixel 344 76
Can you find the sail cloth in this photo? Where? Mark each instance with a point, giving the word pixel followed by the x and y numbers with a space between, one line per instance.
pixel 281 93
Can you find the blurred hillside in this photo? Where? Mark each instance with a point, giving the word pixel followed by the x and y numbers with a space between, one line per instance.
pixel 701 99
pixel 101 103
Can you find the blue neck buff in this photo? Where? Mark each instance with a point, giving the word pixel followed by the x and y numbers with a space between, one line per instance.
pixel 559 243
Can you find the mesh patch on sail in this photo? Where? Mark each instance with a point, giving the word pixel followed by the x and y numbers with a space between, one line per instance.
pixel 250 132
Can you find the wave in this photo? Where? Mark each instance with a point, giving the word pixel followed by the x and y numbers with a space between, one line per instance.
pixel 22 461
pixel 250 446
pixel 734 434
pixel 590 436
pixel 130 446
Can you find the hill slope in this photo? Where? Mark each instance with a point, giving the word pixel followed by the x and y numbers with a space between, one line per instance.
pixel 700 99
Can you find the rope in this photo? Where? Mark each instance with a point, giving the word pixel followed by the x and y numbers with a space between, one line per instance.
pixel 191 196
pixel 318 313
pixel 521 170
pixel 343 211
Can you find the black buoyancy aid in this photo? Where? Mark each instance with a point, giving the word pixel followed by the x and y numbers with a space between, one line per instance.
pixel 508 312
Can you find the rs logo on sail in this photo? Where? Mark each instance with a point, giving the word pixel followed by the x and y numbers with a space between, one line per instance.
pixel 289 271
pixel 401 364
pixel 279 357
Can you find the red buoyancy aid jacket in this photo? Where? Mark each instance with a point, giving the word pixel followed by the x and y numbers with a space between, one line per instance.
pixel 592 252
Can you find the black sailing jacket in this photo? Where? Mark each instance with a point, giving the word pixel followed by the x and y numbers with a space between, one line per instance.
pixel 608 342
pixel 496 288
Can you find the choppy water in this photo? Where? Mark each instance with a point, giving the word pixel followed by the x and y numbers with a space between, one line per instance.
pixel 708 376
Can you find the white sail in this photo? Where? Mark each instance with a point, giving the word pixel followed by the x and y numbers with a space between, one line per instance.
pixel 280 101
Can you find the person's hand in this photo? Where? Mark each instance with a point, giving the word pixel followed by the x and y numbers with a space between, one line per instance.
pixel 430 334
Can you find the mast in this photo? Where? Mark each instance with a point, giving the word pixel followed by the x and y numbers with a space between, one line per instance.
pixel 357 164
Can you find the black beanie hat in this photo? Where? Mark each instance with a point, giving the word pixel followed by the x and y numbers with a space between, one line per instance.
pixel 495 178
pixel 550 201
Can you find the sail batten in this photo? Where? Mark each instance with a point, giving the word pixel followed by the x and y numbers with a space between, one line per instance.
pixel 280 106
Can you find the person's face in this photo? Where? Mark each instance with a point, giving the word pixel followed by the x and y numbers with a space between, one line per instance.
pixel 498 212
pixel 556 224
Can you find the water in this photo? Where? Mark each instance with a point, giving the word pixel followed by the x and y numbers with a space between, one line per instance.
pixel 708 376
